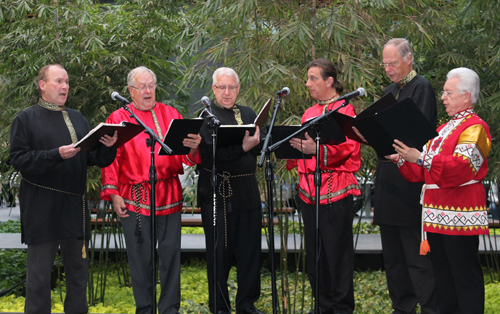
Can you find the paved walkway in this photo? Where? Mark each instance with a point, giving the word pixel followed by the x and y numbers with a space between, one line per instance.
pixel 195 243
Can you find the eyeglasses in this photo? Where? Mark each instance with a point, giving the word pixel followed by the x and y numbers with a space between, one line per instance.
pixel 448 94
pixel 143 88
pixel 390 64
pixel 231 88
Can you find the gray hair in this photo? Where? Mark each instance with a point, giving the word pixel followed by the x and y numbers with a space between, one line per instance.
pixel 131 75
pixel 404 47
pixel 224 71
pixel 468 81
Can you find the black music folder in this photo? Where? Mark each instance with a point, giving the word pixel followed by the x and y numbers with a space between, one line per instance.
pixel 386 120
pixel 177 132
pixel 286 151
pixel 233 134
pixel 126 131
pixel 330 133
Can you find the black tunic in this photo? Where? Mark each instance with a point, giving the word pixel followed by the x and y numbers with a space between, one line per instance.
pixel 231 159
pixel 46 214
pixel 397 201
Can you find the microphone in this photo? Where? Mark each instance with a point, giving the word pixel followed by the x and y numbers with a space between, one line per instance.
pixel 359 92
pixel 205 101
pixel 285 91
pixel 116 96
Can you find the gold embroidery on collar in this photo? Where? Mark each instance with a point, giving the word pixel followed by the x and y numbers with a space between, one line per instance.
pixel 327 102
pixel 405 80
pixel 234 108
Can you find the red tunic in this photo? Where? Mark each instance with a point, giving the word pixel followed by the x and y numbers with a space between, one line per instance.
pixel 338 164
pixel 128 175
pixel 455 163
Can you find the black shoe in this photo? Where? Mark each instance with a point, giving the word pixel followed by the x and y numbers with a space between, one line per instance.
pixel 250 310
pixel 223 312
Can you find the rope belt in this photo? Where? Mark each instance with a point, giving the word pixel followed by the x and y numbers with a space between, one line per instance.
pixel 226 191
pixel 140 194
pixel 84 252
pixel 424 245
pixel 330 184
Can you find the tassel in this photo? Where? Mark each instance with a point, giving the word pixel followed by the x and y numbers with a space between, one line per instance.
pixel 84 252
pixel 138 234
pixel 424 247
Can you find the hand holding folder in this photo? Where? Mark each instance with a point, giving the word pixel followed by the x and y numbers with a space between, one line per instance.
pixel 386 120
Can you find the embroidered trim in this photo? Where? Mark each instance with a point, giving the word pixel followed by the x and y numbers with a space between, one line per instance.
pixel 234 108
pixel 158 208
pixel 463 114
pixel 427 162
pixel 471 152
pixel 50 106
pixel 328 101
pixel 325 155
pixel 109 186
pixel 144 109
pixel 332 194
pixel 157 124
pixel 400 161
pixel 405 80
pixel 451 218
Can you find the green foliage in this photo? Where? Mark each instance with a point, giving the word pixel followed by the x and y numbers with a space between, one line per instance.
pixel 370 290
pixel 97 44
pixel 13 270
pixel 11 226
pixel 192 230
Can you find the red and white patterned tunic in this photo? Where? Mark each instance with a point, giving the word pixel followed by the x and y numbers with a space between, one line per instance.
pixel 455 163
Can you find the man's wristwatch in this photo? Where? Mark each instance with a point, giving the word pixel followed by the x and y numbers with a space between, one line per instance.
pixel 420 160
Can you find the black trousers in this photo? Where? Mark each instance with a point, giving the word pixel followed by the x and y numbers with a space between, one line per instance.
pixel 410 277
pixel 459 276
pixel 238 242
pixel 39 266
pixel 168 234
pixel 335 263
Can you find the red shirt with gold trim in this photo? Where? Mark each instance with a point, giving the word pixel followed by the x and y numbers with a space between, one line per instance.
pixel 338 164
pixel 128 175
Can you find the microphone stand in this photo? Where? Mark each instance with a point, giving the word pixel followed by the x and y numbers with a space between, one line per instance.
pixel 214 126
pixel 150 142
pixel 265 153
pixel 314 123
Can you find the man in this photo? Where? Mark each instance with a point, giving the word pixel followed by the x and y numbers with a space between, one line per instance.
pixel 338 186
pixel 54 211
pixel 397 209
pixel 453 166
pixel 126 184
pixel 238 201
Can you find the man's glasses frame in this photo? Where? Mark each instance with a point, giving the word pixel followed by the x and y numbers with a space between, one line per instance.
pixel 145 87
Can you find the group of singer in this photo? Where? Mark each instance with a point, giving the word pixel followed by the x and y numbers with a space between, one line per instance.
pixel 430 202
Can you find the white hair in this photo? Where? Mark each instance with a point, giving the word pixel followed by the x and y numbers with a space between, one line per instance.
pixel 131 75
pixel 224 71
pixel 403 46
pixel 468 81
